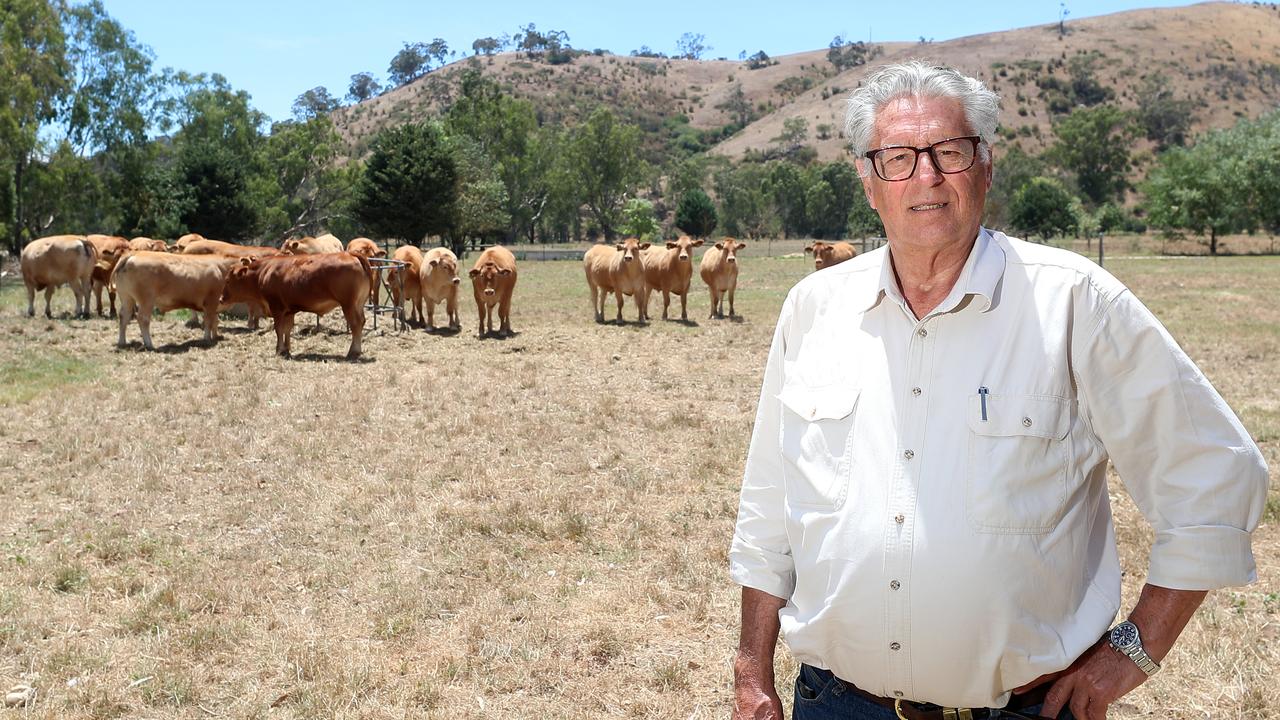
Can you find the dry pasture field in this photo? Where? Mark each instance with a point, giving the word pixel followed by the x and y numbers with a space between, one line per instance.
pixel 533 527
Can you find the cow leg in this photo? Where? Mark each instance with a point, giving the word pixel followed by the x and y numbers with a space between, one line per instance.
pixel 211 319
pixel 504 313
pixel 417 308
pixel 144 323
pixel 83 290
pixel 31 300
pixel 451 307
pixel 48 302
pixel 480 310
pixel 666 303
pixel 127 307
pixel 97 295
pixel 284 333
pixel 354 313
pixel 732 288
pixel 684 309
pixel 431 315
pixel 596 308
pixel 715 301
pixel 617 294
pixel 112 295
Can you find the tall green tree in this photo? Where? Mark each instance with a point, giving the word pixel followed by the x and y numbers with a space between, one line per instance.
pixel 745 208
pixel 33 81
pixel 638 220
pixel 410 63
pixel 1043 207
pixel 410 185
pixel 1164 119
pixel 363 86
pixel 482 198
pixel 219 185
pixel 1095 145
pixel 786 187
pixel 314 103
pixel 1202 189
pixel 696 214
pixel 1014 168
pixel 306 189
pixel 605 154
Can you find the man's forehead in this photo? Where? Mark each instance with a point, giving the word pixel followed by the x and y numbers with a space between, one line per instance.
pixel 912 120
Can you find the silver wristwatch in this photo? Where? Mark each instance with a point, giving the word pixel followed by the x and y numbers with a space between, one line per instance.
pixel 1125 639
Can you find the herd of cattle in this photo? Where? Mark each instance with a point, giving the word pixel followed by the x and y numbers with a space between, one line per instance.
pixel 318 274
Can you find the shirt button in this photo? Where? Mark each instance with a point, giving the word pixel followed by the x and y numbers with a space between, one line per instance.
pixel 894 585
pixel 1026 422
pixel 895 646
pixel 899 518
pixel 916 391
pixel 922 332
pixel 909 454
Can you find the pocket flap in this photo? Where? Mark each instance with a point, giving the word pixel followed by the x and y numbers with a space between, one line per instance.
pixel 829 402
pixel 1045 416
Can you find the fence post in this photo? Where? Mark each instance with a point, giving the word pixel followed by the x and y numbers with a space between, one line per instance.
pixel 1101 255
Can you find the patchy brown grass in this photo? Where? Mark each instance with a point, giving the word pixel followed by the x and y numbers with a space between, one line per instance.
pixel 526 528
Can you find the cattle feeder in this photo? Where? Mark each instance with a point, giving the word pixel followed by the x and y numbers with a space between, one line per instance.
pixel 381 269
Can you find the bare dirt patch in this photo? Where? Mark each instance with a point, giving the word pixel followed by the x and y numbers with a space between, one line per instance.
pixel 530 527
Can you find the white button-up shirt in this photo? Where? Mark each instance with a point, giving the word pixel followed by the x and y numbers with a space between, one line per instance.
pixel 930 495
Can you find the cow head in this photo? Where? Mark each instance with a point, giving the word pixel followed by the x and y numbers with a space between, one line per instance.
pixel 242 281
pixel 448 265
pixel 630 248
pixel 730 248
pixel 291 247
pixel 486 277
pixel 685 246
pixel 821 253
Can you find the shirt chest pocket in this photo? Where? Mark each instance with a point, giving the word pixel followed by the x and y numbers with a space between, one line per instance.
pixel 817 440
pixel 1016 475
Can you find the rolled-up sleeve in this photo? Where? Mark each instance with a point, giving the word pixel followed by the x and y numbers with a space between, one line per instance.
pixel 1183 455
pixel 760 556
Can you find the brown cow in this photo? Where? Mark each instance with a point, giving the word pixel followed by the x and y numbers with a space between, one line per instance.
pixel 365 247
pixel 58 260
pixel 110 249
pixel 618 270
pixel 405 282
pixel 146 243
pixel 669 271
pixel 719 270
pixel 438 278
pixel 826 254
pixel 203 246
pixel 312 245
pixel 290 284
pixel 148 281
pixel 493 279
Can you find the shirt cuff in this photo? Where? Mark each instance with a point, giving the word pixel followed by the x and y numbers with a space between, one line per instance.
pixel 1203 557
pixel 764 570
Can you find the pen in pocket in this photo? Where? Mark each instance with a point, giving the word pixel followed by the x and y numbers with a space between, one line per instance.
pixel 982 395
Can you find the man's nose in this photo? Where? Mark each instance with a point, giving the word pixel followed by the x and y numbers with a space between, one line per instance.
pixel 926 170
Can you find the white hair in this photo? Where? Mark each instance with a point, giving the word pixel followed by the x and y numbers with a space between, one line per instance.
pixel 916 78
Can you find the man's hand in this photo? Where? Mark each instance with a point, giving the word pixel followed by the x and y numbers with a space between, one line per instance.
pixel 1096 679
pixel 755 703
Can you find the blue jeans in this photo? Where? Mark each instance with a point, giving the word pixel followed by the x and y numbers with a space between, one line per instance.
pixel 823 696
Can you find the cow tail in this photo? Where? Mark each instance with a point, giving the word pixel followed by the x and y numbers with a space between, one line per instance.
pixel 89 250
pixel 368 271
pixel 119 268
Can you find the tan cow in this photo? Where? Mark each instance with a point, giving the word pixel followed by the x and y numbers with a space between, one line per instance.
pixel 365 247
pixel 826 254
pixel 616 269
pixel 58 260
pixel 146 243
pixel 312 245
pixel 405 283
pixel 493 280
pixel 719 270
pixel 316 283
pixel 203 246
pixel 148 281
pixel 670 271
pixel 110 249
pixel 438 277
pixel 181 243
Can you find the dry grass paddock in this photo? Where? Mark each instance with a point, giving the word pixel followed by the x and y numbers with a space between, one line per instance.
pixel 533 527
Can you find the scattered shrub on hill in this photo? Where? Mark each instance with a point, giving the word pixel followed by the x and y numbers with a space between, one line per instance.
pixel 760 60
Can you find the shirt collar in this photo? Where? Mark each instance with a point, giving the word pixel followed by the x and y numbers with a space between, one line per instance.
pixel 981 276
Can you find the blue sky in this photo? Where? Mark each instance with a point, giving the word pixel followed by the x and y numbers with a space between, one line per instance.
pixel 277 49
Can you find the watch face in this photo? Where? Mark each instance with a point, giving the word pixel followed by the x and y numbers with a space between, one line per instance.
pixel 1124 635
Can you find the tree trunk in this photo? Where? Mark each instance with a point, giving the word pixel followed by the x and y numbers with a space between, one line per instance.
pixel 1213 241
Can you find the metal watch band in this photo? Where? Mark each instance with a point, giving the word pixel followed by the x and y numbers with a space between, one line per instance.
pixel 1143 660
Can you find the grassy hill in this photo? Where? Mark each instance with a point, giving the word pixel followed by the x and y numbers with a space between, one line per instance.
pixel 1223 57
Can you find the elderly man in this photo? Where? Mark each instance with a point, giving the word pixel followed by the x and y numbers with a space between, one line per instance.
pixel 924 512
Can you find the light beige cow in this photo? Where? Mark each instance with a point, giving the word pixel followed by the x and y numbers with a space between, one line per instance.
pixel 616 269
pixel 826 254
pixel 110 249
pixel 405 282
pixel 719 270
pixel 669 271
pixel 312 245
pixel 146 243
pixel 204 246
pixel 58 260
pixel 181 243
pixel 438 278
pixel 148 281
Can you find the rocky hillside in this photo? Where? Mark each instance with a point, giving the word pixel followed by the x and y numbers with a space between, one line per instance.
pixel 1223 57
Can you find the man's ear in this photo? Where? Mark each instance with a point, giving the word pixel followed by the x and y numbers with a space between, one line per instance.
pixel 864 174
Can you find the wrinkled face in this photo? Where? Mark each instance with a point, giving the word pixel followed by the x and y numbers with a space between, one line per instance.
pixel 929 210
pixel 730 248
pixel 446 265
pixel 685 247
pixel 486 278
pixel 630 249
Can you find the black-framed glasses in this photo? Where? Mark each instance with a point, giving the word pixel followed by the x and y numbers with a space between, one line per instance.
pixel 898 162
